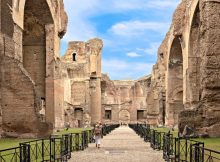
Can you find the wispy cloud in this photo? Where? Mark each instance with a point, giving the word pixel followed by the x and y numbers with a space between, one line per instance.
pixel 124 26
pixel 152 50
pixel 133 54
pixel 79 12
pixel 137 28
pixel 144 4
pixel 121 69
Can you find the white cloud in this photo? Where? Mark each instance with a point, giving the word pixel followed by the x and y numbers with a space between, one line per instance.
pixel 79 26
pixel 133 54
pixel 137 28
pixel 121 69
pixel 121 34
pixel 152 50
pixel 79 12
pixel 144 4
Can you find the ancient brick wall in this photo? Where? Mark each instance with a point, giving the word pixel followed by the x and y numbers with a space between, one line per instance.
pixel 190 79
pixel 82 86
pixel 124 100
pixel 29 43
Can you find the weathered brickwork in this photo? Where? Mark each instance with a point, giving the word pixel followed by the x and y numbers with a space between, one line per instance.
pixel 40 91
pixel 187 68
pixel 29 46
pixel 81 66
pixel 124 101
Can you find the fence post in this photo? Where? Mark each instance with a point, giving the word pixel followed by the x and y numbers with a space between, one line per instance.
pixel 25 153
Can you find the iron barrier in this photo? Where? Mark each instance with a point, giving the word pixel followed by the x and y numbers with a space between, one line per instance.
pixel 56 148
pixel 176 149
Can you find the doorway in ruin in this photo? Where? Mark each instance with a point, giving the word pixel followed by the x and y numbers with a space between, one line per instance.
pixel 78 115
pixel 193 90
pixel 175 82
pixel 124 116
pixel 37 19
pixel 140 114
pixel 108 114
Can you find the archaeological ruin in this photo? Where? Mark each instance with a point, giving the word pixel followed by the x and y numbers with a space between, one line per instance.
pixel 124 101
pixel 31 98
pixel 81 73
pixel 40 90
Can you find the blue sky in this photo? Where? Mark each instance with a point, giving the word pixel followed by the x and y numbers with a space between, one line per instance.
pixel 131 30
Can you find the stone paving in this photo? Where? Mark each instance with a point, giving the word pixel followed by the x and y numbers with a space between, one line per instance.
pixel 121 145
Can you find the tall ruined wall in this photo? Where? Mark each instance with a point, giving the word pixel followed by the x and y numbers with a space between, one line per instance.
pixel 204 70
pixel 29 47
pixel 124 101
pixel 186 70
pixel 81 66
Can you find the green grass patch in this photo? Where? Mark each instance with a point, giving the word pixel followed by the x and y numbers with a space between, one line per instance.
pixel 164 129
pixel 72 130
pixel 6 143
pixel 210 143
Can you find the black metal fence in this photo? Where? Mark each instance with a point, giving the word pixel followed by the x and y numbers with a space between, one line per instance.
pixel 57 148
pixel 176 149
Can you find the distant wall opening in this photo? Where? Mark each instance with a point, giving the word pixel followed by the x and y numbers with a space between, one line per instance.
pixel 74 56
pixel 108 114
pixel 124 116
pixel 78 114
pixel 140 114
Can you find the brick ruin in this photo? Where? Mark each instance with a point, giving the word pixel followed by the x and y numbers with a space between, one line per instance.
pixel 124 101
pixel 81 72
pixel 185 84
pixel 40 90
pixel 188 68
pixel 29 49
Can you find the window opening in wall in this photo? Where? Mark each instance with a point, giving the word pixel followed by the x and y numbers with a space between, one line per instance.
pixel 140 114
pixel 108 114
pixel 74 56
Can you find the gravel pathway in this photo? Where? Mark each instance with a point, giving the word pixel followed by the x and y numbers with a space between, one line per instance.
pixel 121 145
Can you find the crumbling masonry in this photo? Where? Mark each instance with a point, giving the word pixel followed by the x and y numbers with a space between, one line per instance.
pixel 187 69
pixel 31 91
pixel 40 91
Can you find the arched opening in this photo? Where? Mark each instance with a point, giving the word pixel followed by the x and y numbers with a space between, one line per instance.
pixel 78 114
pixel 175 82
pixel 194 61
pixel 37 17
pixel 74 57
pixel 124 116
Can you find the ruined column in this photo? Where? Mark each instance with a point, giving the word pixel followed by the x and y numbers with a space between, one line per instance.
pixel 94 47
pixel 95 100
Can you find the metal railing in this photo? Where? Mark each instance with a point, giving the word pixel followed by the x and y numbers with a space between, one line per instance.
pixel 16 154
pixel 177 149
pixel 201 154
pixel 57 148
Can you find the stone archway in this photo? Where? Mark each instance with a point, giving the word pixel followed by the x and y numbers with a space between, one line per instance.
pixel 124 116
pixel 193 92
pixel 34 42
pixel 37 49
pixel 174 81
